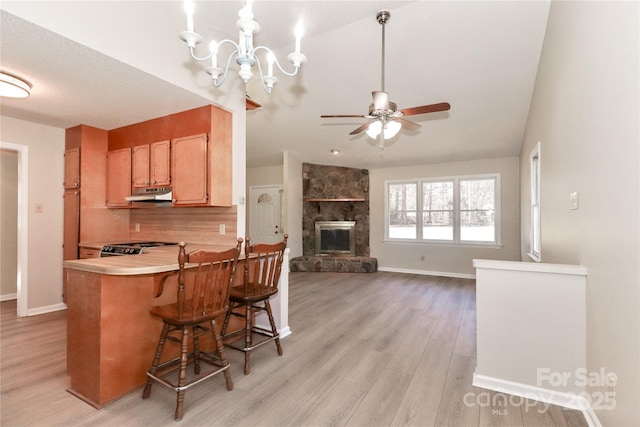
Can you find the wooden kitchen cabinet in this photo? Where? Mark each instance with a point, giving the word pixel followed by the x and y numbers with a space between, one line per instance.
pixel 151 165
pixel 118 177
pixel 201 167
pixel 86 253
pixel 72 168
pixel 189 170
pixel 200 155
pixel 71 224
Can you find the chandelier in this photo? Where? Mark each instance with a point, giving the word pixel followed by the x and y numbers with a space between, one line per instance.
pixel 244 52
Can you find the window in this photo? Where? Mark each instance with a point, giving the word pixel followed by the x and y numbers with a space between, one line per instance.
pixel 534 163
pixel 402 210
pixel 450 210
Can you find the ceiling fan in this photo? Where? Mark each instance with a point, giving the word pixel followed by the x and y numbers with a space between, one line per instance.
pixel 386 119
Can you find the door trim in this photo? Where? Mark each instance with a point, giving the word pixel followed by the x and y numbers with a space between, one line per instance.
pixel 23 225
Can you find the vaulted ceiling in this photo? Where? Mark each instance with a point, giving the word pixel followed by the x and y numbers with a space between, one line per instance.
pixel 481 57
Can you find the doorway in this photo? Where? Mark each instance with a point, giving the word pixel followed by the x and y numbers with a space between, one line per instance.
pixel 19 249
pixel 265 214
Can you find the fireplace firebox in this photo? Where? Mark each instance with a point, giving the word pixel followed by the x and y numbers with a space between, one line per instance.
pixel 335 238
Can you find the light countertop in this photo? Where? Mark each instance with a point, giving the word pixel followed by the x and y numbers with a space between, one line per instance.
pixel 155 260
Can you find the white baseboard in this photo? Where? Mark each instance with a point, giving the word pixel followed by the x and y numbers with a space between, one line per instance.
pixel 8 297
pixel 428 273
pixel 553 397
pixel 283 332
pixel 47 309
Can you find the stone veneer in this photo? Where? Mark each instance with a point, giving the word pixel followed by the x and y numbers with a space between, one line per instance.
pixel 335 193
pixel 350 264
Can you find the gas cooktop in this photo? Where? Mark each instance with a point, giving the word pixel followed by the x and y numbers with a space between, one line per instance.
pixel 130 248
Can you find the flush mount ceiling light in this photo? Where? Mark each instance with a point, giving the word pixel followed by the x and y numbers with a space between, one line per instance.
pixel 335 151
pixel 13 87
pixel 244 52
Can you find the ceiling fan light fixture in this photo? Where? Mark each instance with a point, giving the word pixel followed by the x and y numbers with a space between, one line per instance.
pixel 13 87
pixel 386 119
pixel 391 129
pixel 374 129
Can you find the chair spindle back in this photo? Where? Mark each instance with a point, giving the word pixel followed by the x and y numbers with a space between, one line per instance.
pixel 263 263
pixel 211 282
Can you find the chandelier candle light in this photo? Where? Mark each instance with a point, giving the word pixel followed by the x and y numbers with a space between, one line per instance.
pixel 245 53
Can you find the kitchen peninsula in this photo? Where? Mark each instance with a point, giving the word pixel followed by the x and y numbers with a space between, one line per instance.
pixel 111 337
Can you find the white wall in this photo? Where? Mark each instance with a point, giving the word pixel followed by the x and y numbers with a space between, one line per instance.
pixel 46 174
pixel 441 259
pixel 585 113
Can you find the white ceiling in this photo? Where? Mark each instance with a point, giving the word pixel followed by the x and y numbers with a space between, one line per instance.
pixel 479 56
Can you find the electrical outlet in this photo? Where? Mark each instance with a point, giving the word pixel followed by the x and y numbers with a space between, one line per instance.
pixel 222 229
pixel 137 227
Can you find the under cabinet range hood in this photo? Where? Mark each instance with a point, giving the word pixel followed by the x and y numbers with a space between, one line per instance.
pixel 158 196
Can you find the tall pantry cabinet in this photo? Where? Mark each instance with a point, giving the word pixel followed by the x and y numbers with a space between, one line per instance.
pixel 87 217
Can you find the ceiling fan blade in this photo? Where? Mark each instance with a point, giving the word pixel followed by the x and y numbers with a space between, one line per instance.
pixel 360 129
pixel 407 124
pixel 343 115
pixel 432 108
pixel 380 100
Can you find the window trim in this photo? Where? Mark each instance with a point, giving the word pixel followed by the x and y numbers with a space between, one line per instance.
pixel 535 234
pixel 456 211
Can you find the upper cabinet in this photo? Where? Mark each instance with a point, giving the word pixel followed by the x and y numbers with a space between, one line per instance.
pixel 118 177
pixel 72 168
pixel 151 165
pixel 190 151
pixel 189 170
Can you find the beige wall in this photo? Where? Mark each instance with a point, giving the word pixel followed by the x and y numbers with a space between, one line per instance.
pixel 444 259
pixel 585 113
pixel 293 203
pixel 268 175
pixel 45 177
pixel 9 220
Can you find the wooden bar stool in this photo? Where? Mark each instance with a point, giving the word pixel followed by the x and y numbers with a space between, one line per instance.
pixel 262 267
pixel 199 301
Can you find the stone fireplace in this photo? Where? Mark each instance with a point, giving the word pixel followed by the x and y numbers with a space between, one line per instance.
pixel 335 196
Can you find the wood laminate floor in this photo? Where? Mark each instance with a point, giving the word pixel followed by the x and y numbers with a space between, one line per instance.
pixel 378 349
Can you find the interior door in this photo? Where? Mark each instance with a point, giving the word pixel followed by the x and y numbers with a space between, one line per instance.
pixel 265 215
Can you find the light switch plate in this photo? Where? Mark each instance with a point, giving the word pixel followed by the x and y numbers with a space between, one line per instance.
pixel 573 200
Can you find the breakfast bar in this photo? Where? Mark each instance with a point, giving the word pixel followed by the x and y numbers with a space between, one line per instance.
pixel 111 337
